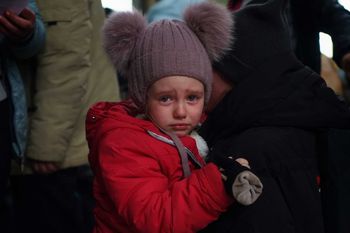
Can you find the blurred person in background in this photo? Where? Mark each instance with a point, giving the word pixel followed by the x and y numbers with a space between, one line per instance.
pixel 169 9
pixel 21 37
pixel 332 18
pixel 327 16
pixel 53 194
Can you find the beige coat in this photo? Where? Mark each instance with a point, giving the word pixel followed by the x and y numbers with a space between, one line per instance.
pixel 73 73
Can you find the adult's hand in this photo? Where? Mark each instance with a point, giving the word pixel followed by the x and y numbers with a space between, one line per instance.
pixel 44 167
pixel 17 28
pixel 346 65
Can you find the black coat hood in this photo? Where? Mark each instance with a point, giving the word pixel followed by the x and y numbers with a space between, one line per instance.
pixel 271 87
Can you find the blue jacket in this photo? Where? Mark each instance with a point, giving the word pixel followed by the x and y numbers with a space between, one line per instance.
pixel 169 9
pixel 10 53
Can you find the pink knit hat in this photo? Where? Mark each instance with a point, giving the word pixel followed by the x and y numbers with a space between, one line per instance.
pixel 145 53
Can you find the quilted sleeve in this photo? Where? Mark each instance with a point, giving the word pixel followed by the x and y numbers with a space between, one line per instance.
pixel 143 196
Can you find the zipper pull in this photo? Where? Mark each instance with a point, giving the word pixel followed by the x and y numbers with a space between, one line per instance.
pixel 22 164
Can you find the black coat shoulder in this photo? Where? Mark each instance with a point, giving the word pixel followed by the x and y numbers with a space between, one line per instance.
pixel 284 159
pixel 269 148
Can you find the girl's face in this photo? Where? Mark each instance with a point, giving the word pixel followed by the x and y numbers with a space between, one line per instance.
pixel 175 103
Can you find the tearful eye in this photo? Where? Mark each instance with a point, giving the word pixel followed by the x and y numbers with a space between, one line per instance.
pixel 193 98
pixel 165 99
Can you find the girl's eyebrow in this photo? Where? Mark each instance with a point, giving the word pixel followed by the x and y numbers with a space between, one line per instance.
pixel 164 92
pixel 194 91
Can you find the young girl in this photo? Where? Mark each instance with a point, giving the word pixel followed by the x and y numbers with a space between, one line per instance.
pixel 149 175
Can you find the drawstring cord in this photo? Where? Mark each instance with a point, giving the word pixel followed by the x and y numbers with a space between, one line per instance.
pixel 179 146
pixel 181 149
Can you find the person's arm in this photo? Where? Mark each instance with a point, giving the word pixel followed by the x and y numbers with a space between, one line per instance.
pixel 24 33
pixel 142 195
pixel 346 65
pixel 335 21
pixel 62 84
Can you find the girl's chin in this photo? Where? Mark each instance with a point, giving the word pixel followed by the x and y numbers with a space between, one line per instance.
pixel 181 133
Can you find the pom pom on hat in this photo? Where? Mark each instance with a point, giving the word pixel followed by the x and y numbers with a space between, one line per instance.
pixel 120 34
pixel 212 23
pixel 146 53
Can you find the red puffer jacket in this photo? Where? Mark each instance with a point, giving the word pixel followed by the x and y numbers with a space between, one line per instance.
pixel 139 184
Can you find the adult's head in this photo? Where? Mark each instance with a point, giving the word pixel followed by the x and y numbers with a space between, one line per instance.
pixel 260 35
pixel 271 87
pixel 220 87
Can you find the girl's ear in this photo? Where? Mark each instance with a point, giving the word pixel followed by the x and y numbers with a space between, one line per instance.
pixel 120 34
pixel 213 25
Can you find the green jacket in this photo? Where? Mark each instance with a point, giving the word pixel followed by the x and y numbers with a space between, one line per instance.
pixel 73 73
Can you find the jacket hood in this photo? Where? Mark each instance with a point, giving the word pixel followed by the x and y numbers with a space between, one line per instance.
pixel 271 87
pixel 260 33
pixel 105 116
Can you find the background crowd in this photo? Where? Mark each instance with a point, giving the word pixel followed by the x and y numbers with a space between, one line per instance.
pixel 53 69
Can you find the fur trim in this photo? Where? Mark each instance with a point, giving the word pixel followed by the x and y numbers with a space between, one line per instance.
pixel 202 145
pixel 212 23
pixel 120 34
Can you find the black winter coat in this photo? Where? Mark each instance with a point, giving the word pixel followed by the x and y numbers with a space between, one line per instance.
pixel 277 131
pixel 272 117
pixel 284 158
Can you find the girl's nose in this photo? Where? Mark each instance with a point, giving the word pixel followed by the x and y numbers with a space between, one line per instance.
pixel 180 111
